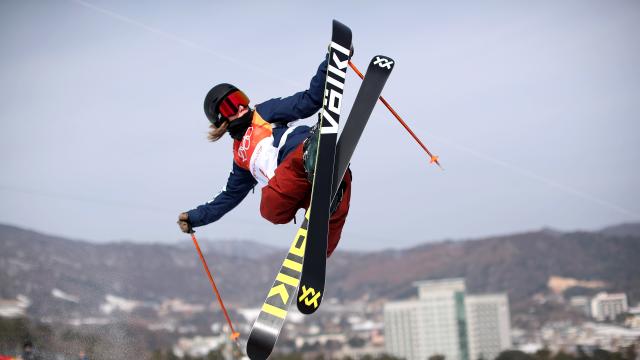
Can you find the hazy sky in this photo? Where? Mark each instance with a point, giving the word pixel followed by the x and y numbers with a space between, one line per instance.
pixel 533 108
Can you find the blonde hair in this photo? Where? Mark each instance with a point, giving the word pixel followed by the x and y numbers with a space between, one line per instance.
pixel 216 132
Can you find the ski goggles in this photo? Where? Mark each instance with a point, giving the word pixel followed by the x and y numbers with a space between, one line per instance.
pixel 230 104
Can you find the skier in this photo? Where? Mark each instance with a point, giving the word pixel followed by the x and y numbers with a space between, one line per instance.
pixel 272 150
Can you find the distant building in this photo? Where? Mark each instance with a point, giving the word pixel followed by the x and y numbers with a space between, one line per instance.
pixel 581 303
pixel 634 320
pixel 14 308
pixel 446 321
pixel 433 324
pixel 198 346
pixel 606 306
pixel 488 325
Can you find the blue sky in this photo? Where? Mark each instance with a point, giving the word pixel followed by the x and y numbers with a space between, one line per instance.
pixel 533 109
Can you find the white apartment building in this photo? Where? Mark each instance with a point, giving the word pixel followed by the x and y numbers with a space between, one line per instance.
pixel 417 329
pixel 606 306
pixel 488 325
pixel 445 321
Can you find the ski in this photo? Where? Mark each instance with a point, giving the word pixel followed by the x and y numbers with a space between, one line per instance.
pixel 268 325
pixel 375 78
pixel 315 256
pixel 266 328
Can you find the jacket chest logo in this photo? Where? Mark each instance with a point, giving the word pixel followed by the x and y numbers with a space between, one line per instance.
pixel 245 145
pixel 251 145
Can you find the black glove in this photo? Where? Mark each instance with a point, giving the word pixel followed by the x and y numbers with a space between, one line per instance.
pixel 183 222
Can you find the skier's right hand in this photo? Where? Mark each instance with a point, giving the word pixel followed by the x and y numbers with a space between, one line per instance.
pixel 184 224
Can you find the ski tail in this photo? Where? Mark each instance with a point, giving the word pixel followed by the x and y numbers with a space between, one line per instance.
pixel 275 308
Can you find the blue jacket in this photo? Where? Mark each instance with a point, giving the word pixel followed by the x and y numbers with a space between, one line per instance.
pixel 279 112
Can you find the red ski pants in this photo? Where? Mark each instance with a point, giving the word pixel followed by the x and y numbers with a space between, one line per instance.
pixel 289 190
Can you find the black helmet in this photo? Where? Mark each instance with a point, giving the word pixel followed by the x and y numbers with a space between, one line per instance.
pixel 219 96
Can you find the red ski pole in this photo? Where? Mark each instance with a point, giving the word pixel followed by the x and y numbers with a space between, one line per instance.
pixel 234 334
pixel 433 158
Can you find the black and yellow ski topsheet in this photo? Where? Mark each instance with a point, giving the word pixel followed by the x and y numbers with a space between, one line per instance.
pixel 315 258
pixel 267 326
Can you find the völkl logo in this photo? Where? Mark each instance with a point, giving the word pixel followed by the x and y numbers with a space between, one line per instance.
pixel 310 297
pixel 383 62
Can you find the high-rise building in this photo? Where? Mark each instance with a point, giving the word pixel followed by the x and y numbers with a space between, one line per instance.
pixel 488 325
pixel 433 324
pixel 606 306
pixel 446 321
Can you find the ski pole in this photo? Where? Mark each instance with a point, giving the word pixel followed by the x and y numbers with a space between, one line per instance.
pixel 434 159
pixel 234 334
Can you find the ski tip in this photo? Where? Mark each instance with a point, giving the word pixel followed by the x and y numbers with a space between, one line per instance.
pixel 337 25
pixel 382 61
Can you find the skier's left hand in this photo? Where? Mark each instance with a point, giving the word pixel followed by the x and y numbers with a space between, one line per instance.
pixel 183 222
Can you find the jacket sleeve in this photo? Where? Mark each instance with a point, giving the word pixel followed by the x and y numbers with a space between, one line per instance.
pixel 239 184
pixel 300 105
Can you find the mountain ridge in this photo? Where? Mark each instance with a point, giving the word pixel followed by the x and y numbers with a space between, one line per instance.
pixel 34 264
